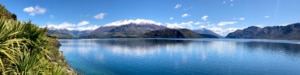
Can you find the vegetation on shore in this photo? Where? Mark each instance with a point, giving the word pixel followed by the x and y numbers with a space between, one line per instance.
pixel 25 49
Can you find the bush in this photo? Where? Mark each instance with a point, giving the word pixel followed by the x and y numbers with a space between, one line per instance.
pixel 25 50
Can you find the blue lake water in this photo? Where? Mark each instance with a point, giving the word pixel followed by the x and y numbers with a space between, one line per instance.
pixel 182 56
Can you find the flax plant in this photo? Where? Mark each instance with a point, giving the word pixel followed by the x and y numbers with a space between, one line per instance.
pixel 24 50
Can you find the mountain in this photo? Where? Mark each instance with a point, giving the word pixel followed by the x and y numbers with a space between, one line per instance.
pixel 289 32
pixel 206 31
pixel 125 29
pixel 61 35
pixel 65 33
pixel 175 33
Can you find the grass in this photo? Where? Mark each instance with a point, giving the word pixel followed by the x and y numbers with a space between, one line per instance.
pixel 26 50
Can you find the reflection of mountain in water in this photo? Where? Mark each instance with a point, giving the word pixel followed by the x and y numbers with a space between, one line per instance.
pixel 139 47
pixel 289 49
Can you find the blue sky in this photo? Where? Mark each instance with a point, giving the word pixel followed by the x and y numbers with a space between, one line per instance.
pixel 221 16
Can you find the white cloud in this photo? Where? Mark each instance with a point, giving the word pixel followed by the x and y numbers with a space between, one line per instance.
pixel 173 25
pixel 259 25
pixel 70 26
pixel 82 23
pixel 242 18
pixel 171 18
pixel 204 18
pixel 197 23
pixel 185 15
pixel 267 16
pixel 189 24
pixel 100 16
pixel 226 23
pixel 231 0
pixel 224 2
pixel 90 27
pixel 64 25
pixel 177 6
pixel 222 31
pixel 136 21
pixel 231 4
pixel 34 10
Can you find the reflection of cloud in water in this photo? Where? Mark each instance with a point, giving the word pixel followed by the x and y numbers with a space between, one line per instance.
pixel 132 51
pixel 83 47
pixel 291 49
pixel 220 48
pixel 201 49
pixel 185 48
pixel 139 47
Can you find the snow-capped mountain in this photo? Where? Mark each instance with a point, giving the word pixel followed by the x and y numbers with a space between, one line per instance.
pixel 127 28
pixel 122 28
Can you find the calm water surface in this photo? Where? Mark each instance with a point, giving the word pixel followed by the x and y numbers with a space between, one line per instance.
pixel 182 56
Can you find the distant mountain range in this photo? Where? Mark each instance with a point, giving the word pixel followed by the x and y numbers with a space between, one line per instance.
pixel 65 33
pixel 289 32
pixel 206 31
pixel 129 29
pixel 151 29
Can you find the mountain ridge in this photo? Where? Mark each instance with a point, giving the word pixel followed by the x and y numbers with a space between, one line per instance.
pixel 288 32
pixel 206 31
pixel 118 29
pixel 175 33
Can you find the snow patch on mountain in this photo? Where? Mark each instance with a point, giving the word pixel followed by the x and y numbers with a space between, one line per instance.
pixel 136 21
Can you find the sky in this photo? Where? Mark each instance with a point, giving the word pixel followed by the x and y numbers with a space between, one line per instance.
pixel 220 16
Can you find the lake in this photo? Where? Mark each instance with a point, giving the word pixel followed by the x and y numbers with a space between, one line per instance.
pixel 182 56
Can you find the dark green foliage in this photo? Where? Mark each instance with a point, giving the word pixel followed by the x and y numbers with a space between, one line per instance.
pixel 26 50
pixel 4 13
pixel 175 33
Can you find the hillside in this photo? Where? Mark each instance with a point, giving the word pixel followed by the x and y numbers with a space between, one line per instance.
pixel 25 49
pixel 124 31
pixel 288 32
pixel 121 29
pixel 175 33
pixel 65 33
pixel 4 13
pixel 206 31
pixel 61 35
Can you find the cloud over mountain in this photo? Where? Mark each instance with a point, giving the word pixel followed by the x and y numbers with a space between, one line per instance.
pixel 223 23
pixel 83 25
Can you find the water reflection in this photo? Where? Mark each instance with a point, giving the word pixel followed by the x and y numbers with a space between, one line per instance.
pixel 140 47
pixel 182 56
pixel 281 48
